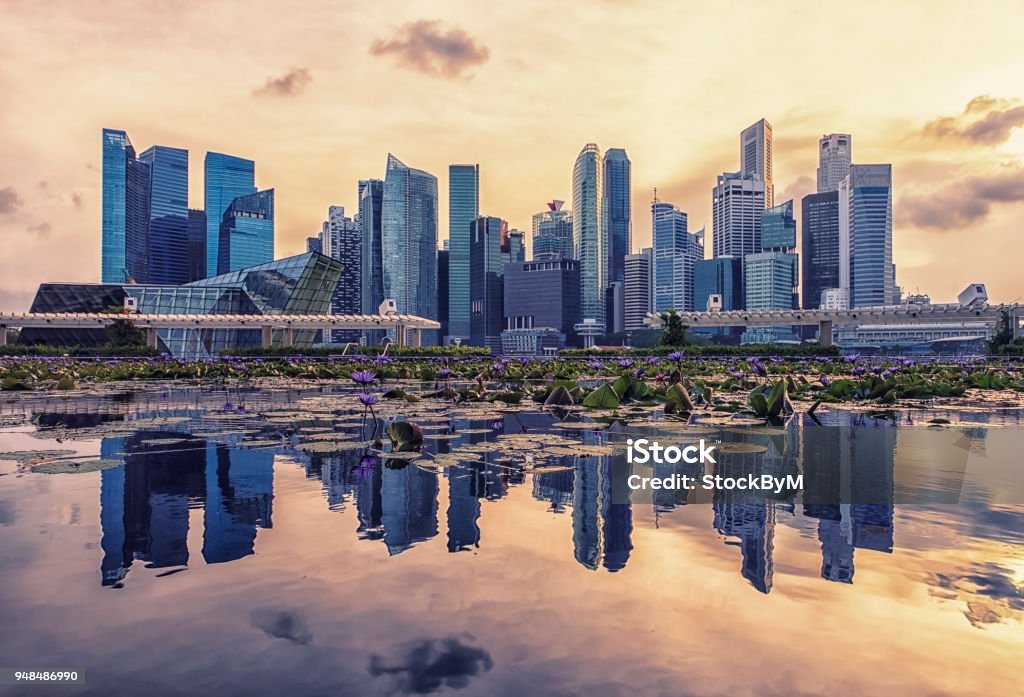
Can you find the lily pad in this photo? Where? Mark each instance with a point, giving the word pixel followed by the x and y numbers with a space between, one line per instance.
pixel 75 466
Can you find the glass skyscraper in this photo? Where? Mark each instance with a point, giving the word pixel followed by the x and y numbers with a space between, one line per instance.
pixel 247 232
pixel 675 252
pixel 865 235
pixel 341 240
pixel 371 196
pixel 552 232
pixel 490 249
pixel 778 228
pixel 617 219
pixel 409 240
pixel 820 246
pixel 756 157
pixel 590 241
pixel 463 209
pixel 720 276
pixel 168 248
pixel 125 222
pixel 226 178
pixel 196 244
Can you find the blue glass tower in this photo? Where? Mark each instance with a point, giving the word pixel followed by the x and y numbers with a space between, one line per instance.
pixel 168 215
pixel 125 222
pixel 865 229
pixel 590 242
pixel 617 212
pixel 371 197
pixel 247 232
pixel 463 209
pixel 226 178
pixel 675 252
pixel 820 246
pixel 721 276
pixel 409 240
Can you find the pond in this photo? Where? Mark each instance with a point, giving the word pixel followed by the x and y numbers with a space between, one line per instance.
pixel 172 540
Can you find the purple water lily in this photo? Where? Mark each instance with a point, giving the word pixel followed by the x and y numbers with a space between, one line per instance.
pixel 364 377
pixel 368 399
pixel 675 356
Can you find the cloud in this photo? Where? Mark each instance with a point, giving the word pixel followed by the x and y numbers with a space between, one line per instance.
pixel 289 84
pixel 961 204
pixel 9 200
pixel 797 190
pixel 427 666
pixel 985 121
pixel 426 47
pixel 42 229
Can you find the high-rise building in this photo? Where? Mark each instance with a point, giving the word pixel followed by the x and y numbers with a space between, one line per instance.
pixel 819 240
pixel 168 215
pixel 371 197
pixel 778 228
pixel 756 157
pixel 770 277
pixel 721 276
pixel 342 239
pixel 247 232
pixel 615 307
pixel 737 202
pixel 126 198
pixel 616 214
pixel 639 287
pixel 541 305
pixel 226 178
pixel 552 232
pixel 409 240
pixel 443 266
pixel 590 242
pixel 196 245
pixel 490 249
pixel 834 156
pixel 313 244
pixel 463 209
pixel 865 235
pixel 675 252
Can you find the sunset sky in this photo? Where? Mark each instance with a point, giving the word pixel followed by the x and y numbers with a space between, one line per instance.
pixel 318 93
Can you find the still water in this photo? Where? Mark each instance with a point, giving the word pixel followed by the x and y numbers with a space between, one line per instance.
pixel 248 542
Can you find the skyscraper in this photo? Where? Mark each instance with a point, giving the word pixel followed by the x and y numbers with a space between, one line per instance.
pixel 616 212
pixel 552 232
pixel 247 232
pixel 770 276
pixel 720 276
pixel 639 287
pixel 865 235
pixel 463 209
pixel 168 248
pixel 443 266
pixel 409 240
pixel 756 157
pixel 313 244
pixel 590 241
pixel 819 238
pixel 226 178
pixel 342 239
pixel 196 245
pixel 490 249
pixel 126 196
pixel 675 252
pixel 541 305
pixel 371 198
pixel 737 203
pixel 834 156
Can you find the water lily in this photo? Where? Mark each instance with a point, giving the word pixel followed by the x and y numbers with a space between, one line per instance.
pixel 364 377
pixel 368 399
pixel 675 356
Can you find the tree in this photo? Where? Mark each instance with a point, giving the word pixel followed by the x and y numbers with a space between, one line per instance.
pixel 122 334
pixel 1003 335
pixel 673 330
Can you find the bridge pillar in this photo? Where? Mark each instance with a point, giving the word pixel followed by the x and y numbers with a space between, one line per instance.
pixel 400 337
pixel 3 335
pixel 266 336
pixel 416 336
pixel 825 332
pixel 151 337
pixel 289 336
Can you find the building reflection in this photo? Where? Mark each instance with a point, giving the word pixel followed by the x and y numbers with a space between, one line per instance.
pixel 602 527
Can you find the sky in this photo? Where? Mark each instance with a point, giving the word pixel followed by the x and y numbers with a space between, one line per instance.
pixel 318 93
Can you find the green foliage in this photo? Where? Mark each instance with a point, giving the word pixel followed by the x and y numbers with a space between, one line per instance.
pixel 405 436
pixel 369 351
pixel 716 350
pixel 122 333
pixel 677 400
pixel 673 330
pixel 604 397
pixel 559 397
pixel 1003 335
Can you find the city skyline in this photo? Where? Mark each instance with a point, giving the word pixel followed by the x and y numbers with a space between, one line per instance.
pixel 956 151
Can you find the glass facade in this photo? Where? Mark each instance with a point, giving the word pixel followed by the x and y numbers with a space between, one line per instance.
pixel 490 249
pixel 778 228
pixel 868 209
pixel 719 276
pixel 196 244
pixel 409 241
pixel 125 204
pixel 737 202
pixel 371 196
pixel 301 284
pixel 617 212
pixel 675 252
pixel 553 234
pixel 769 279
pixel 590 241
pixel 168 215
pixel 463 209
pixel 226 178
pixel 819 246
pixel 343 242
pixel 247 232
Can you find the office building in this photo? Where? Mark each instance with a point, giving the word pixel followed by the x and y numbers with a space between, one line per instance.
pixel 463 209
pixel 769 280
pixel 341 239
pixel 541 305
pixel 168 245
pixel 756 157
pixel 443 266
pixel 196 244
pixel 616 214
pixel 226 178
pixel 675 252
pixel 835 152
pixel 721 277
pixel 590 244
pixel 866 270
pixel 737 203
pixel 409 241
pixel 313 244
pixel 247 232
pixel 552 232
pixel 125 204
pixel 490 250
pixel 638 290
pixel 371 199
pixel 819 223
pixel 615 307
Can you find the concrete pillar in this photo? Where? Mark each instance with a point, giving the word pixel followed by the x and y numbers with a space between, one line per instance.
pixel 266 336
pixel 3 336
pixel 416 338
pixel 151 337
pixel 825 332
pixel 289 336
pixel 1015 316
pixel 400 335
